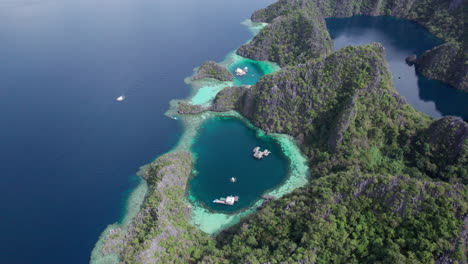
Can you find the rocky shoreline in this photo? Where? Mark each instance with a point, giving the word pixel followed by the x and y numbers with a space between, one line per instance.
pixel 396 163
pixel 445 19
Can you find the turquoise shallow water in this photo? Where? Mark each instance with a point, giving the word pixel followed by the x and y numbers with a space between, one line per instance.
pixel 256 70
pixel 223 149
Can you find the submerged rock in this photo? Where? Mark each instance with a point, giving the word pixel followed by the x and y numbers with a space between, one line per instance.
pixel 211 69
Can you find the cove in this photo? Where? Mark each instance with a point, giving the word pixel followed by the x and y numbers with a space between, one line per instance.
pixel 402 38
pixel 69 151
pixel 223 149
pixel 256 70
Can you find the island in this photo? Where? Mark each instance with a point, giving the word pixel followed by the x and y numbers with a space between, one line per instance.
pixel 210 69
pixel 388 183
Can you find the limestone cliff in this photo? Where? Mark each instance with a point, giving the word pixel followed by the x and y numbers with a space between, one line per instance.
pixel 160 232
pixel 345 113
pixel 445 63
pixel 442 150
pixel 443 18
pixel 290 39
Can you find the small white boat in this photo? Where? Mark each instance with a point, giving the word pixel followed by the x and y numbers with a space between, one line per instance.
pixel 233 179
pixel 120 98
pixel 230 200
pixel 174 117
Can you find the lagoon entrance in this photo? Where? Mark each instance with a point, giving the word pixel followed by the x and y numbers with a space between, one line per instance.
pixel 402 38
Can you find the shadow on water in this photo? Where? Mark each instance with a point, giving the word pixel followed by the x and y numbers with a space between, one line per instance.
pixel 402 38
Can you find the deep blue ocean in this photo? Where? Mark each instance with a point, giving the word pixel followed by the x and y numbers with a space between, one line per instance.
pixel 68 150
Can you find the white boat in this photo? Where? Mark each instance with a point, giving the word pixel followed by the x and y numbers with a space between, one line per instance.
pixel 230 200
pixel 120 98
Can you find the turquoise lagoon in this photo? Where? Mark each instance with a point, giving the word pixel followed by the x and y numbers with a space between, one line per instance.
pixel 223 149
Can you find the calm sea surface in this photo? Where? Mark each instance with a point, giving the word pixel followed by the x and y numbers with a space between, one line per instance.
pixel 224 150
pixel 402 38
pixel 68 150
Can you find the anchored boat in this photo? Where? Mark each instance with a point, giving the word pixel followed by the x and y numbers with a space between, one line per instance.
pixel 230 200
pixel 260 154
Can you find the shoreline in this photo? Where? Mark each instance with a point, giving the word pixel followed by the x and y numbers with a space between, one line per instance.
pixel 203 92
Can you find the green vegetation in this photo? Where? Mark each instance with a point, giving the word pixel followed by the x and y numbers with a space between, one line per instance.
pixel 388 183
pixel 160 233
pixel 447 63
pixel 290 40
pixel 445 19
pixel 351 218
pixel 358 134
pixel 211 69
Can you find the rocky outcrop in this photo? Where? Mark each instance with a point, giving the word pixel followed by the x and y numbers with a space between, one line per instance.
pixel 227 99
pixel 211 69
pixel 448 137
pixel 296 99
pixel 445 63
pixel 290 39
pixel 159 233
pixel 185 108
pixel 445 19
pixel 442 150
pixel 338 215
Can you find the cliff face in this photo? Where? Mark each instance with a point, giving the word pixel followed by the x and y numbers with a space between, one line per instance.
pixel 345 113
pixel 160 232
pixel 353 218
pixel 211 69
pixel 326 102
pixel 442 149
pixel 445 63
pixel 290 39
pixel 443 18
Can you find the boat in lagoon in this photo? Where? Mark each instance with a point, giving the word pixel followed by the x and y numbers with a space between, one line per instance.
pixel 230 200
pixel 260 154
pixel 120 98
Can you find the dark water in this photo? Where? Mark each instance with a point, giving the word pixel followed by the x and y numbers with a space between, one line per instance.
pixel 224 150
pixel 402 38
pixel 68 150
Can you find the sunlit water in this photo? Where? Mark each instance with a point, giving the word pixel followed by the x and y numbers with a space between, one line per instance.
pixel 68 150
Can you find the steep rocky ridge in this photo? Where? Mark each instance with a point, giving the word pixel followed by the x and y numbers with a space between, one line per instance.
pixel 443 18
pixel 353 218
pixel 290 39
pixel 160 232
pixel 346 115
